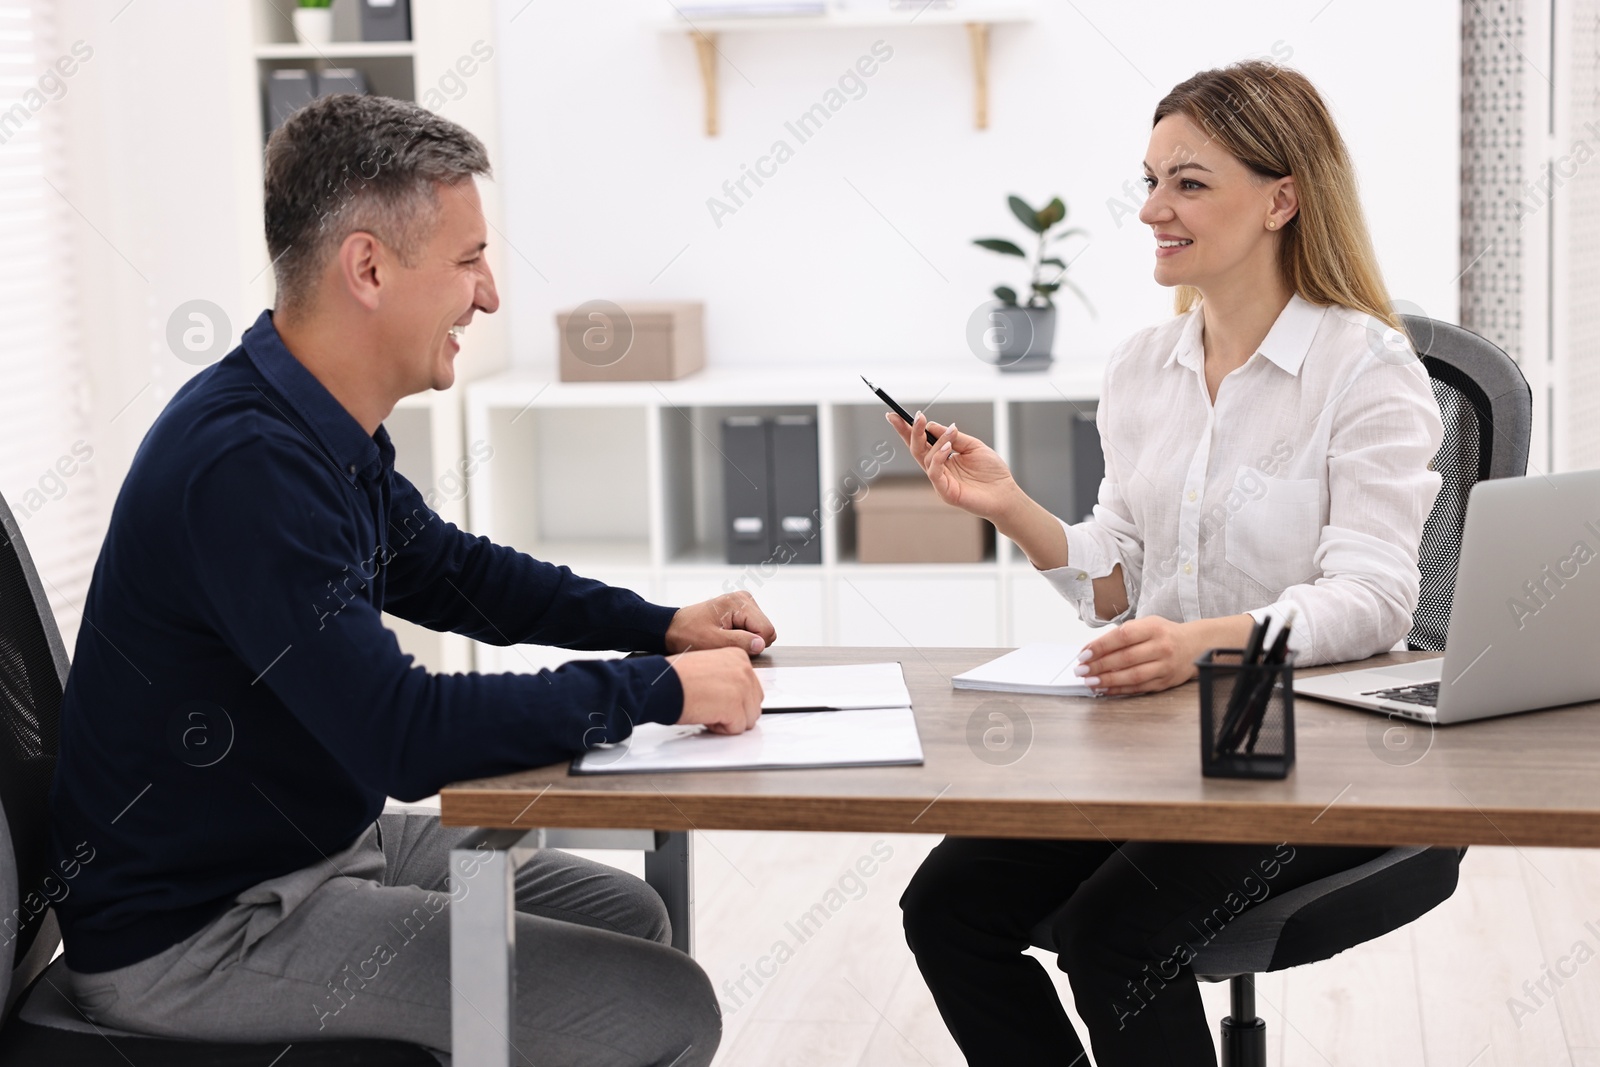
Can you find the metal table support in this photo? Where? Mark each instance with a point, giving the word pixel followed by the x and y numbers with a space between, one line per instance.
pixel 483 922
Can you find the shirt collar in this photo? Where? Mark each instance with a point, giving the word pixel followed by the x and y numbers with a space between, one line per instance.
pixel 1286 344
pixel 332 429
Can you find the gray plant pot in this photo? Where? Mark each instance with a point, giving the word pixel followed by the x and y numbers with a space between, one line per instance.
pixel 1023 337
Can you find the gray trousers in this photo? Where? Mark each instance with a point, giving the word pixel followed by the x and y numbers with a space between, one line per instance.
pixel 359 946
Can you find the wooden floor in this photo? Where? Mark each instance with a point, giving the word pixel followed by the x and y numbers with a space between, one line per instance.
pixel 1458 988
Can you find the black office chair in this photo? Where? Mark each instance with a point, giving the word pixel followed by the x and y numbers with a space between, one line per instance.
pixel 41 1025
pixel 1487 410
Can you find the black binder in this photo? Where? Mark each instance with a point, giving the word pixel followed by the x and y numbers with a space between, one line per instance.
pixel 287 92
pixel 1088 466
pixel 385 20
pixel 746 482
pixel 796 489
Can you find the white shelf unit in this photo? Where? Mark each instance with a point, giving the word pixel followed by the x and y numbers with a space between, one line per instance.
pixel 426 432
pixel 622 482
pixel 449 38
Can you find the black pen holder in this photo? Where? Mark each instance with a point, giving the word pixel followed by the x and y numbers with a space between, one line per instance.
pixel 1246 716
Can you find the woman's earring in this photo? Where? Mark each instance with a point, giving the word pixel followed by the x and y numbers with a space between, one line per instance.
pixel 1271 225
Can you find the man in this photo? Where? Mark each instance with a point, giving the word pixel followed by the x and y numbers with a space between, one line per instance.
pixel 237 712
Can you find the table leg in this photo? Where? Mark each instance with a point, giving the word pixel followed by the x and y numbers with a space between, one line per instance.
pixel 670 872
pixel 483 976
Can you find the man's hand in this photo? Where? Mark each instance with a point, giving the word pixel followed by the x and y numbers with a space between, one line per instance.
pixel 732 620
pixel 1149 654
pixel 720 690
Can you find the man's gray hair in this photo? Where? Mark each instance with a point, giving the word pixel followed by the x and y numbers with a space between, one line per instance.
pixel 347 163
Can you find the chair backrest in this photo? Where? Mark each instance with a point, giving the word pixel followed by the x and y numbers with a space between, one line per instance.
pixel 33 674
pixel 1487 409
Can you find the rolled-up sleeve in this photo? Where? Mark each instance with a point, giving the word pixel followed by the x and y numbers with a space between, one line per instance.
pixel 1094 548
pixel 1381 489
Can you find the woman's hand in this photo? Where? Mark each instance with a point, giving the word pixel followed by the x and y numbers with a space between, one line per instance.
pixel 1149 654
pixel 964 471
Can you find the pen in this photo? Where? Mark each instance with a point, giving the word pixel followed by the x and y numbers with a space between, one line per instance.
pixel 1258 691
pixel 1252 652
pixel 1243 685
pixel 1274 658
pixel 898 410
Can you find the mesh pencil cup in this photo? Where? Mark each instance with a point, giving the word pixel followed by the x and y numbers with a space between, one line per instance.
pixel 1246 716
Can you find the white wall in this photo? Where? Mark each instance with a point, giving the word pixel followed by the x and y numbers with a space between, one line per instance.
pixel 606 171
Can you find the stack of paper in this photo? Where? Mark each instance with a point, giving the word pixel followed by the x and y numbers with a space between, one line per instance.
pixel 1045 669
pixel 855 685
pixel 845 716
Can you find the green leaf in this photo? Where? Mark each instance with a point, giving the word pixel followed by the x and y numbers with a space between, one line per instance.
pixel 1025 214
pixel 1000 244
pixel 1046 287
pixel 1052 261
pixel 1053 212
pixel 1006 295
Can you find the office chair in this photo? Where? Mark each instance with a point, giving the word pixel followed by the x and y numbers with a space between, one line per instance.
pixel 38 1021
pixel 1487 410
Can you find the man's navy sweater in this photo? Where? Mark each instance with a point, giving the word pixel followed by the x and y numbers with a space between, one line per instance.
pixel 236 709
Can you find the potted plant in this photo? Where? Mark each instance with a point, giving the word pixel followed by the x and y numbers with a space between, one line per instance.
pixel 313 22
pixel 1023 334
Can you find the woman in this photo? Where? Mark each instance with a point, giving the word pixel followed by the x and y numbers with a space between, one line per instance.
pixel 1269 447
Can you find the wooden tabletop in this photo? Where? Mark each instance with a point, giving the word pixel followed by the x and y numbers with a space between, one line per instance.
pixel 1123 768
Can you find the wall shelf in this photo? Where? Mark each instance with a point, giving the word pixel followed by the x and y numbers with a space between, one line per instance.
pixel 704 34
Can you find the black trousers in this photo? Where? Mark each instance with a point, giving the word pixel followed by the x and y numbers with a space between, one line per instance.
pixel 1134 916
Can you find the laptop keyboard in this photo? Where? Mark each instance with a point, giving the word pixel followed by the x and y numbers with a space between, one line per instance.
pixel 1426 694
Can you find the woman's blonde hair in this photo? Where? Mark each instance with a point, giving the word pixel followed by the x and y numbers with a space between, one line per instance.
pixel 1272 119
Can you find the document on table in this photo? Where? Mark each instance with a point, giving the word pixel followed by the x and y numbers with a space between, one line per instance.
pixel 1044 669
pixel 874 726
pixel 837 688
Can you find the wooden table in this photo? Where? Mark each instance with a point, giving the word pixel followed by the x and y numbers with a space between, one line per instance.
pixel 999 765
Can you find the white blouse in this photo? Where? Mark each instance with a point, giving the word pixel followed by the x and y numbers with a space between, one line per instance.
pixel 1308 482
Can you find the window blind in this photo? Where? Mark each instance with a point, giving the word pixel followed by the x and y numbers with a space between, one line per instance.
pixel 46 449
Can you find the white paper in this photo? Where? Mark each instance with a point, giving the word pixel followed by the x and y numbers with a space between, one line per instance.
pixel 1044 668
pixel 854 685
pixel 875 736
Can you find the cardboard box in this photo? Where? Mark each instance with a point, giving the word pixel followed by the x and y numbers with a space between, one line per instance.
pixel 604 342
pixel 902 520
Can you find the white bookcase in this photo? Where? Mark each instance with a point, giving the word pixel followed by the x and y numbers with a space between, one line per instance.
pixel 623 482
pixel 426 432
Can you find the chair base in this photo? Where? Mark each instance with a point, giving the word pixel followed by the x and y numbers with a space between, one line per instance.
pixel 1244 1033
pixel 1244 1044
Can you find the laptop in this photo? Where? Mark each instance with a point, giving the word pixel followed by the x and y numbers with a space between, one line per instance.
pixel 1523 617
